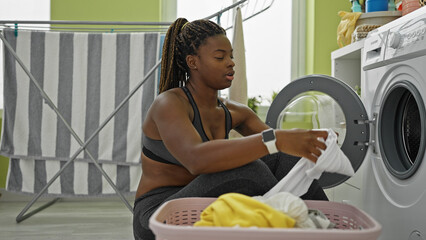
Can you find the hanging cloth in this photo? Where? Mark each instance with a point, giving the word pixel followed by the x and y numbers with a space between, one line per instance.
pixel 238 90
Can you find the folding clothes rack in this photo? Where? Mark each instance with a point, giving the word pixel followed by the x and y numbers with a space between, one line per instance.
pixel 83 145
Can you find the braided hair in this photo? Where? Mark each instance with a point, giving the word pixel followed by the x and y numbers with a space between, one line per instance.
pixel 183 38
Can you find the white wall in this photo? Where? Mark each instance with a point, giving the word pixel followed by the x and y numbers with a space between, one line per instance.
pixel 21 10
pixel 267 38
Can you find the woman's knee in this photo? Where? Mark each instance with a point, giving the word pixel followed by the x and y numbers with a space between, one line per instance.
pixel 257 173
pixel 251 179
pixel 315 192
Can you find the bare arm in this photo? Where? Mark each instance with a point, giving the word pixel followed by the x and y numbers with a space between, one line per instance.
pixel 173 121
pixel 170 114
pixel 297 142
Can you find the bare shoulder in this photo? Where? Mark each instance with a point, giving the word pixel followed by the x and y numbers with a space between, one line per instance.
pixel 173 99
pixel 167 106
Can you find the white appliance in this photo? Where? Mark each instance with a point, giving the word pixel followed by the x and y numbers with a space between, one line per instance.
pixel 395 95
pixel 384 133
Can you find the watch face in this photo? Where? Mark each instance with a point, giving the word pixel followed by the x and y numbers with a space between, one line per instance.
pixel 268 135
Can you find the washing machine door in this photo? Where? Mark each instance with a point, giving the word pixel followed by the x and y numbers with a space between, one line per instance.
pixel 320 101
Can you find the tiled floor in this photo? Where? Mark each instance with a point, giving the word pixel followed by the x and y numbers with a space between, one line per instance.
pixel 68 220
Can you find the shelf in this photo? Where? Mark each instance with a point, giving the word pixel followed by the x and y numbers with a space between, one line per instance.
pixel 352 51
pixel 346 64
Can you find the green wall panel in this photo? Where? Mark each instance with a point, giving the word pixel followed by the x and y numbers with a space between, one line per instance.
pixel 106 10
pixel 321 33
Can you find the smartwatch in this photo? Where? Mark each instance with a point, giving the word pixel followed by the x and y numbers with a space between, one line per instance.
pixel 268 138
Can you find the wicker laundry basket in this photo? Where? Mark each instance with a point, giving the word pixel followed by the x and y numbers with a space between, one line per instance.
pixel 174 220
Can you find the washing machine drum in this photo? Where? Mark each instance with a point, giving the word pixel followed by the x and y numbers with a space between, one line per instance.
pixel 318 102
pixel 401 129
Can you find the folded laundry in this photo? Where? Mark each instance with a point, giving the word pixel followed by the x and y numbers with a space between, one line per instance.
pixel 296 208
pixel 234 209
pixel 291 205
pixel 298 180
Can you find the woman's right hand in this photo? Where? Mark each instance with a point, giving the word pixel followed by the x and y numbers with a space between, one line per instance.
pixel 301 142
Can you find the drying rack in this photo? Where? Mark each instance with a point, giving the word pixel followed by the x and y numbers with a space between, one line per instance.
pixel 251 9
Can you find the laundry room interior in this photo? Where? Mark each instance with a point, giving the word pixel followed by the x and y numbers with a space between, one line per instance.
pixel 113 116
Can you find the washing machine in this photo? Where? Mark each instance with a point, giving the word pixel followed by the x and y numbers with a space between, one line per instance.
pixel 384 132
pixel 395 95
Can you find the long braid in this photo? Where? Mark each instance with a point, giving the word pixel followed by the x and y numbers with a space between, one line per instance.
pixel 183 38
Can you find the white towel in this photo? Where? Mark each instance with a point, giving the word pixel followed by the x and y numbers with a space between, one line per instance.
pixel 238 89
pixel 298 180
pixel 291 205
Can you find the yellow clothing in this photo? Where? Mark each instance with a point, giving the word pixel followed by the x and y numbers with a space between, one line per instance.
pixel 346 27
pixel 234 209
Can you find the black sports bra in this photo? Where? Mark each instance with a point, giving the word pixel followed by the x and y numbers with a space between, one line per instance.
pixel 156 150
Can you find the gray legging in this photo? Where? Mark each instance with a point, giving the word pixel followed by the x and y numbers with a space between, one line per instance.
pixel 252 179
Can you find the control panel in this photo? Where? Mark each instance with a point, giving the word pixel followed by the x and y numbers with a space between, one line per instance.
pixel 407 40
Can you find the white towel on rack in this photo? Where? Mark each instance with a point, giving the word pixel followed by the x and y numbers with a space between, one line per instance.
pixel 298 180
pixel 238 89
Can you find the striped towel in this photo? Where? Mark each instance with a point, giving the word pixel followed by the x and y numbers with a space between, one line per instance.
pixel 86 75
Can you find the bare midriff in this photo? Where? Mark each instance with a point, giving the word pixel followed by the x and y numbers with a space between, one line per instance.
pixel 156 174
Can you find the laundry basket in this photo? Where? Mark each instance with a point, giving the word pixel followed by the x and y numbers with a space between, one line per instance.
pixel 174 220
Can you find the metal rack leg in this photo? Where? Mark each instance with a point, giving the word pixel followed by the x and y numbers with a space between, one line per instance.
pixel 21 217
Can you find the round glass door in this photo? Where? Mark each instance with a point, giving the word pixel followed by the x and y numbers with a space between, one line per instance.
pixel 313 110
pixel 320 101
